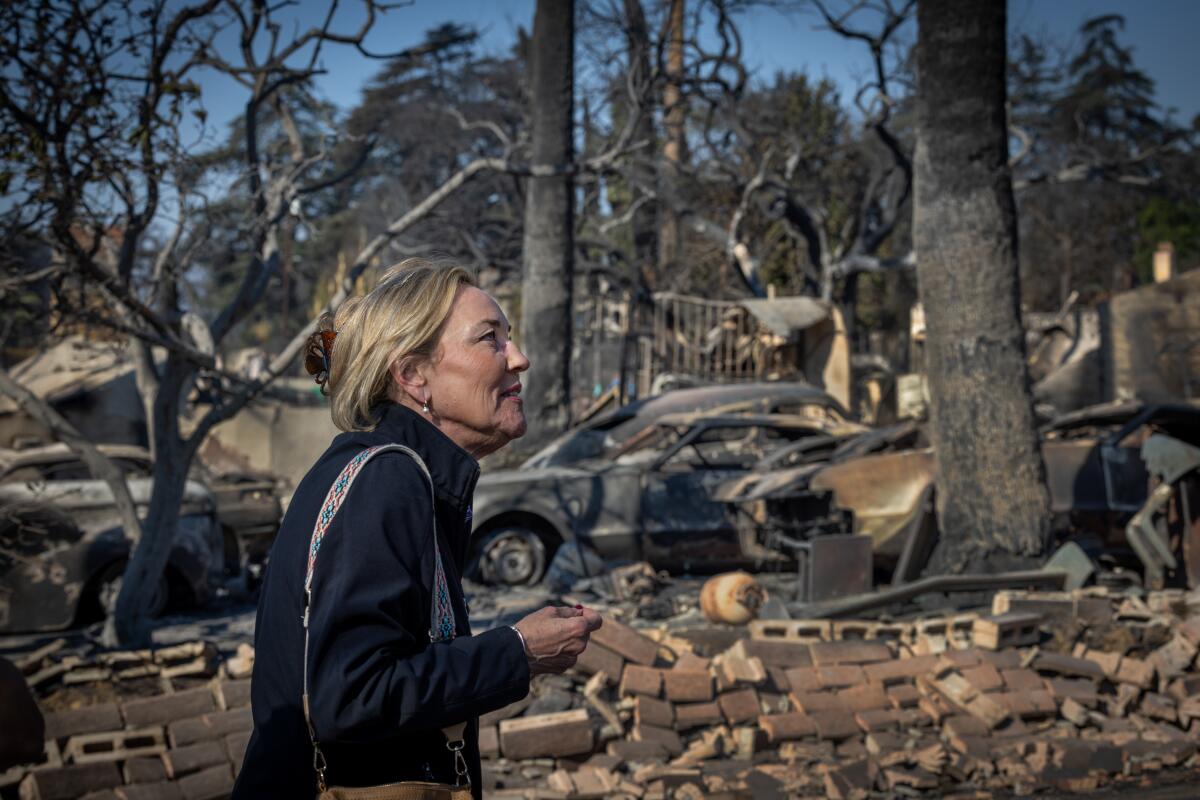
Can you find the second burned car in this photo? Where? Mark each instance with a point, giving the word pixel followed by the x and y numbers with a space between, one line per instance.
pixel 643 497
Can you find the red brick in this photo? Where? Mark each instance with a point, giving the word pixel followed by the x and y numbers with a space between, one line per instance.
pixel 1175 657
pixel 1022 680
pixel 782 727
pixel 1136 671
pixel 913 718
pixel 627 750
pixel 209 726
pixel 1031 704
pixel 984 677
pixel 1110 663
pixel 1157 706
pixel 180 761
pixel 489 741
pixel 144 769
pixel 835 725
pixel 838 677
pixel 777 680
pixel 565 733
pixel 828 653
pixel 959 659
pixel 636 679
pixel 850 782
pixel 1062 664
pixel 784 655
pixel 1188 686
pixel 739 706
pixel 1008 658
pixel 89 719
pixel 691 662
pixel 878 719
pixel 803 679
pixel 163 790
pixel 67 783
pixel 625 641
pixel 663 737
pixel 598 658
pixel 812 702
pixel 903 696
pixel 693 715
pixel 864 697
pixel 233 693
pixel 685 686
pixel 961 725
pixel 235 746
pixel 1080 690
pixel 739 669
pixel 163 708
pixel 208 784
pixel 899 670
pixel 652 711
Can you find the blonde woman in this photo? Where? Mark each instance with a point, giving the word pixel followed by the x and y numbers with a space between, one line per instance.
pixel 366 672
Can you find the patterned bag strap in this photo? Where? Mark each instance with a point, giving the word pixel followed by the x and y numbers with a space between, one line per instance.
pixel 442 625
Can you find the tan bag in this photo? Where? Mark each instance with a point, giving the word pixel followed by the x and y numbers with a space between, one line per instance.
pixel 441 628
pixel 406 790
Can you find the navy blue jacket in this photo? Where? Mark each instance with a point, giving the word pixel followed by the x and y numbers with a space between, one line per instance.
pixel 379 691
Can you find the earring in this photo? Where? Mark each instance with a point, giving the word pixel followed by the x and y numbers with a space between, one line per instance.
pixel 425 406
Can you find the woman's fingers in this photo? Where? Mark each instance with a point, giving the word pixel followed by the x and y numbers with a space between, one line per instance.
pixel 556 635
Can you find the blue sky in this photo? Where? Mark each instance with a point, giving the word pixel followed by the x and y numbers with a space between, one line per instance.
pixel 1161 32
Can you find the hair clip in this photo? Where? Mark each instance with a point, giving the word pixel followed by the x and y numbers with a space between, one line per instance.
pixel 319 355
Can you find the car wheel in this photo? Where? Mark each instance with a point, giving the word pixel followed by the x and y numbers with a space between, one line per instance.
pixel 109 588
pixel 512 557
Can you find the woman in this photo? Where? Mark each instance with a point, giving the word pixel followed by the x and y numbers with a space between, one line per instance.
pixel 424 360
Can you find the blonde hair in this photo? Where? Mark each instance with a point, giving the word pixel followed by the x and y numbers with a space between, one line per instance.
pixel 401 318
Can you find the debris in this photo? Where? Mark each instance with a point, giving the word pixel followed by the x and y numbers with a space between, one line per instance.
pixel 1014 629
pixel 627 642
pixel 566 733
pixel 1071 559
pixel 733 598
pixel 960 704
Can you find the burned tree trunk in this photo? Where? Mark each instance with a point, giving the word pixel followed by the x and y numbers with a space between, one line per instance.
pixel 993 505
pixel 643 222
pixel 129 623
pixel 549 242
pixel 669 233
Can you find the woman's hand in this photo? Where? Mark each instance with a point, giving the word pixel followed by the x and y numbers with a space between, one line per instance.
pixel 555 636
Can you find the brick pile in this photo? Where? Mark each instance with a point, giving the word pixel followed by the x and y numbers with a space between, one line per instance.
pixel 165 743
pixel 1063 691
pixel 854 709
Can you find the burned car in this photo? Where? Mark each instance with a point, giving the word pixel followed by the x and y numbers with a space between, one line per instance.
pixel 249 512
pixel 1105 466
pixel 63 548
pixel 607 432
pixel 647 498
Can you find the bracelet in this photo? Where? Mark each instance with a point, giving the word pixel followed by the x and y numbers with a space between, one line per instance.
pixel 524 646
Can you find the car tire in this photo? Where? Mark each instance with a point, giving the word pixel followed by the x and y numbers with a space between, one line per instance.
pixel 510 556
pixel 109 587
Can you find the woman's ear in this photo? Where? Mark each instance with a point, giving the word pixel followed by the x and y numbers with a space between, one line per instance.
pixel 408 379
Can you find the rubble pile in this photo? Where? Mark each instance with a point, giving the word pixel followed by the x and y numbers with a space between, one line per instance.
pixel 1063 691
pixel 174 724
pixel 967 703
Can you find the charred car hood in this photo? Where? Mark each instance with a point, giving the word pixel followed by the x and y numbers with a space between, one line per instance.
pixel 508 478
pixel 87 495
pixel 765 484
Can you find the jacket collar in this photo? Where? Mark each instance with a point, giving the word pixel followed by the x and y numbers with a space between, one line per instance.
pixel 453 470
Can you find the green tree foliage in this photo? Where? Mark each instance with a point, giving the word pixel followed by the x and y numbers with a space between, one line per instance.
pixel 1164 220
pixel 1098 163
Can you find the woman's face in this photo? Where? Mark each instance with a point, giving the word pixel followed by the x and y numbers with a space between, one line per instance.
pixel 471 383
